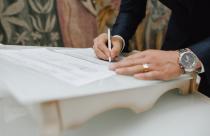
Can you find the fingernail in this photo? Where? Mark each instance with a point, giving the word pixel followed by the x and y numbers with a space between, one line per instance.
pixel 119 71
pixel 112 67
pixel 139 76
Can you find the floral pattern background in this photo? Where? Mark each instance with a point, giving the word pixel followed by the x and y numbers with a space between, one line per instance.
pixel 74 23
pixel 29 22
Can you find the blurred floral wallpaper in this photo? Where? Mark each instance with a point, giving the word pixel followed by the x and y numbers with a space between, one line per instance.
pixel 74 23
pixel 32 22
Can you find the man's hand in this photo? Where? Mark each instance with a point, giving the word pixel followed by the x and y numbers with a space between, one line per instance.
pixel 163 65
pixel 101 49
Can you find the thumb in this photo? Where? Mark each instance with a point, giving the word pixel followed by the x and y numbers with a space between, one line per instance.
pixel 116 47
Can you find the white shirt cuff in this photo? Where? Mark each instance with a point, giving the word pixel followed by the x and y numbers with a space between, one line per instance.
pixel 202 69
pixel 118 36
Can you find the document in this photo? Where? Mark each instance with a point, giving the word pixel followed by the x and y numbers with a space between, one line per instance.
pixel 74 66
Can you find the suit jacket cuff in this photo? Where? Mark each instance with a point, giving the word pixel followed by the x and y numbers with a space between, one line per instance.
pixel 202 51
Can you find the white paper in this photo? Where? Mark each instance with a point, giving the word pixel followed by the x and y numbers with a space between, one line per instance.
pixel 77 66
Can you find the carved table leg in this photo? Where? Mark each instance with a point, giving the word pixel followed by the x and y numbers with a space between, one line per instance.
pixel 190 86
pixel 51 119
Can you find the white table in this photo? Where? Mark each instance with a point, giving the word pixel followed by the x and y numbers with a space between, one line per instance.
pixel 172 115
pixel 74 106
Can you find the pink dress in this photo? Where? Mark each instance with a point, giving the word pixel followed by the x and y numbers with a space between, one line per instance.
pixel 78 25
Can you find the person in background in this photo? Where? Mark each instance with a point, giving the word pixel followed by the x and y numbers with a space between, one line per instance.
pixel 186 48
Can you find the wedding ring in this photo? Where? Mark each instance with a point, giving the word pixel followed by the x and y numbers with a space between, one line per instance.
pixel 145 67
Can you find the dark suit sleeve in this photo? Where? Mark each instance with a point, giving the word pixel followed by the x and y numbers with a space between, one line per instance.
pixel 202 50
pixel 130 15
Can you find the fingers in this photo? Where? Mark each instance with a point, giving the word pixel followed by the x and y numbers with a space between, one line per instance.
pixel 116 47
pixel 152 75
pixel 135 69
pixel 128 63
pixel 130 70
pixel 100 54
pixel 100 47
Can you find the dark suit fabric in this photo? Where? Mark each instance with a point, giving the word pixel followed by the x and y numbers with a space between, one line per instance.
pixel 189 27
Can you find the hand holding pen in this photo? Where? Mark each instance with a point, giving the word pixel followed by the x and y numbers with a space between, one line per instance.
pixel 106 49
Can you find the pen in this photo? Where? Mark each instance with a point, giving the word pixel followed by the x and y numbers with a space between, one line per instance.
pixel 109 44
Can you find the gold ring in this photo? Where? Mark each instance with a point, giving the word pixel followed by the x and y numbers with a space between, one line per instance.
pixel 145 67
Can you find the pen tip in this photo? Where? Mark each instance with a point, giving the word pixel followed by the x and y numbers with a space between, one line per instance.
pixel 110 60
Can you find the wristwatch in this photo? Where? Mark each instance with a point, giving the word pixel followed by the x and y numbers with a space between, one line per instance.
pixel 188 61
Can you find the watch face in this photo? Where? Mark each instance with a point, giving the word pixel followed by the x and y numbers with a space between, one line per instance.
pixel 188 60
